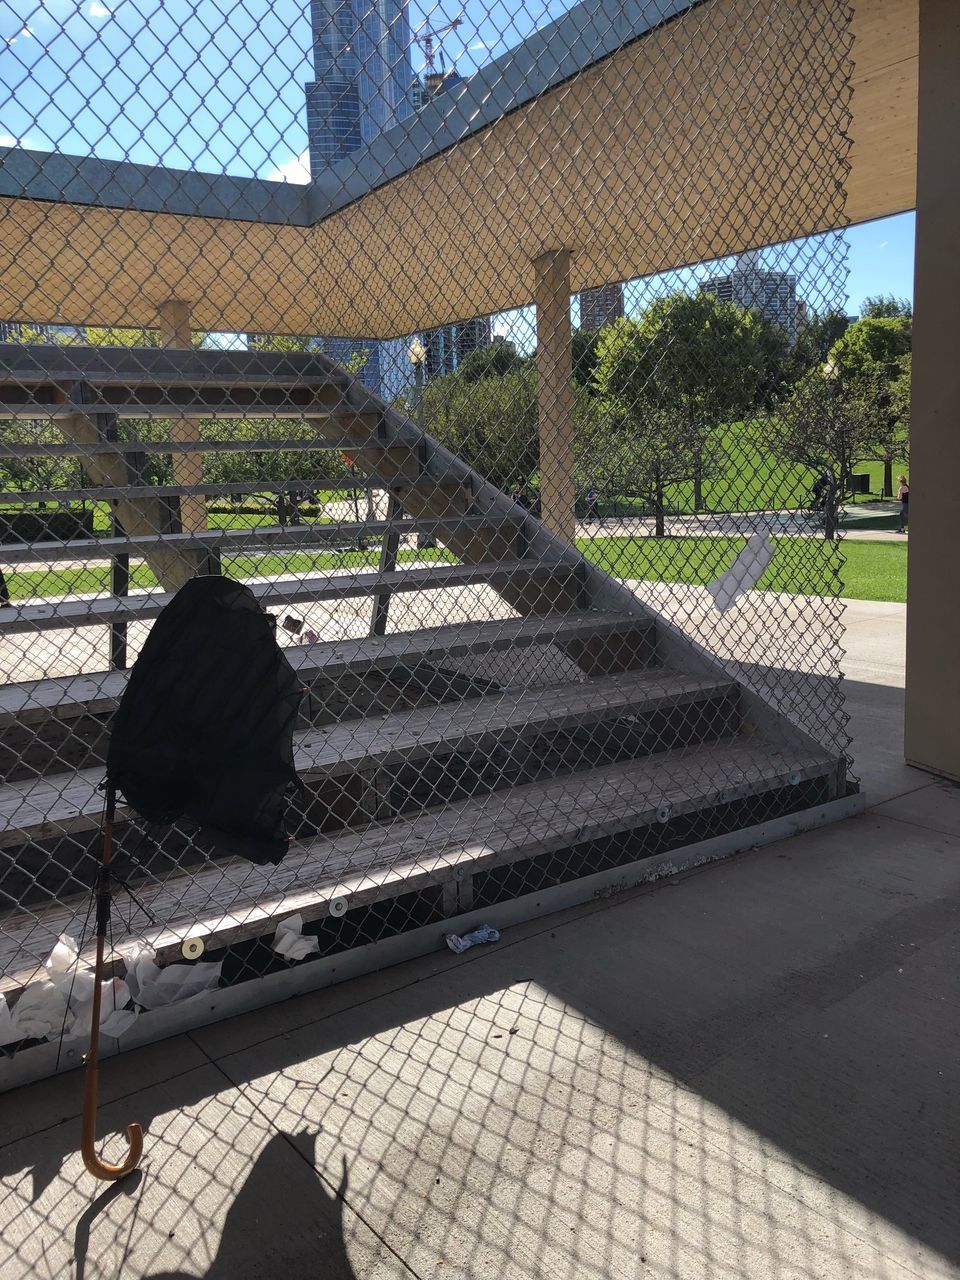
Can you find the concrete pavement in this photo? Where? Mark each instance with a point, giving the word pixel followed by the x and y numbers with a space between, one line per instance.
pixel 750 1072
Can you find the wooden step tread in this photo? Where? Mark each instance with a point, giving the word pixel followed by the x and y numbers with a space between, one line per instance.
pixel 107 493
pixel 23 366
pixel 99 692
pixel 39 808
pixel 236 541
pixel 277 444
pixel 235 900
pixel 145 605
pixel 483 723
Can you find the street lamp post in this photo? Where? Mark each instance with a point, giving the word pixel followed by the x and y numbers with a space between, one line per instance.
pixel 418 358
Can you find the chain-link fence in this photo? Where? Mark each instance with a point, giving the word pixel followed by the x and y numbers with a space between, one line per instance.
pixel 491 348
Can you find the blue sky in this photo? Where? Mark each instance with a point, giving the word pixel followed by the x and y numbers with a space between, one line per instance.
pixel 212 84
pixel 880 259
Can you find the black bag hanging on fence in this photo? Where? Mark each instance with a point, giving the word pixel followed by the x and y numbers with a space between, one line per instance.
pixel 205 727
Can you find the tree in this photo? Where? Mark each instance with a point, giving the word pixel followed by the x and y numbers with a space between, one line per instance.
pixel 495 360
pixel 777 362
pixel 491 424
pixel 816 337
pixel 689 364
pixel 829 425
pixel 882 341
pixel 874 354
pixel 884 306
pixel 50 471
pixel 586 347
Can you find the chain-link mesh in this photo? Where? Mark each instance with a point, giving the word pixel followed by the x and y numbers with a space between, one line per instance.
pixel 491 349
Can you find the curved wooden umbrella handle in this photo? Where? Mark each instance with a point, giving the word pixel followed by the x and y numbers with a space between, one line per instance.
pixel 88 1137
pixel 111 1172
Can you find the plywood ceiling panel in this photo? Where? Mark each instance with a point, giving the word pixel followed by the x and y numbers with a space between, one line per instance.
pixel 630 165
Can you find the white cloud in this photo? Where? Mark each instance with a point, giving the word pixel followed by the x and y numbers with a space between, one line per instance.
pixel 7 140
pixel 98 10
pixel 295 170
pixel 884 243
pixel 478 45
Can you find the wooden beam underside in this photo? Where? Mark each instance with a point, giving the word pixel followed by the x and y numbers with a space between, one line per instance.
pixel 681 147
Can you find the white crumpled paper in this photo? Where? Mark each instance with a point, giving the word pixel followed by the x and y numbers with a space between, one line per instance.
pixel 8 1028
pixel 63 1001
pixel 289 940
pixel 115 1019
pixel 38 1013
pixel 41 1010
pixel 745 572
pixel 153 987
pixel 75 984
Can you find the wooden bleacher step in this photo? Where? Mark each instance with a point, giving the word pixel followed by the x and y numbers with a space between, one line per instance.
pixel 460 839
pixel 144 606
pixel 619 642
pixel 66 803
pixel 238 541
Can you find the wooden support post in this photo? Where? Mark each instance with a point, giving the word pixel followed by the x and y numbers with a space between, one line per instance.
pixel 933 593
pixel 140 514
pixel 555 401
pixel 174 317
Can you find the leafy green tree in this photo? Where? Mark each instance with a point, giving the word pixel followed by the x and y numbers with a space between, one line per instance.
pixel 491 424
pixel 46 472
pixel 829 424
pixel 495 360
pixel 884 306
pixel 285 342
pixel 874 354
pixel 586 347
pixel 689 364
pixel 815 338
pixel 875 341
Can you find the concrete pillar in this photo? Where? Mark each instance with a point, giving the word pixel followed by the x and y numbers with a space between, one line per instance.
pixel 551 295
pixel 933 613
pixel 187 467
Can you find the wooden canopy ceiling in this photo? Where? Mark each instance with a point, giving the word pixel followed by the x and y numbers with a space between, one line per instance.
pixel 629 164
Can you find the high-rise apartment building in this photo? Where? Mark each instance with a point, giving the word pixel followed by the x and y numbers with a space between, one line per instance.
pixel 748 285
pixel 600 306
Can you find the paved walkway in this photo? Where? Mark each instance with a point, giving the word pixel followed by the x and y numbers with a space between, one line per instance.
pixel 751 1072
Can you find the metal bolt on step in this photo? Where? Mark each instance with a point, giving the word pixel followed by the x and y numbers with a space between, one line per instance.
pixel 338 906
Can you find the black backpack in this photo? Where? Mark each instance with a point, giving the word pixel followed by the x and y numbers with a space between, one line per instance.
pixel 205 726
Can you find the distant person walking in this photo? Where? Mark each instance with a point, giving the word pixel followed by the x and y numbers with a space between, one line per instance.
pixel 903 494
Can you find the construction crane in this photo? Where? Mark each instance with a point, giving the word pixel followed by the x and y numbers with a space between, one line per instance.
pixel 425 38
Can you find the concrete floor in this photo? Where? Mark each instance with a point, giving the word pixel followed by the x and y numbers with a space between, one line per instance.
pixel 750 1072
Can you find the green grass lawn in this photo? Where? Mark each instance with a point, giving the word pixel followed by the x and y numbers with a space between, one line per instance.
pixel 59 582
pixel 747 479
pixel 871 570
pixel 236 519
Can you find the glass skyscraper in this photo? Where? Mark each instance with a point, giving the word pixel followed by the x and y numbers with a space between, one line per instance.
pixel 364 75
pixel 363 85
